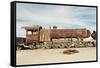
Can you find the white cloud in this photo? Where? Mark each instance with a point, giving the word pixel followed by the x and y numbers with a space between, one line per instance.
pixel 49 15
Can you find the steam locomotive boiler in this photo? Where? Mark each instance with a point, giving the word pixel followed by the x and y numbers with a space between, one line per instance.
pixel 48 35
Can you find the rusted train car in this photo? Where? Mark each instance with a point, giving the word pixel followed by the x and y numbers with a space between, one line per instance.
pixel 37 35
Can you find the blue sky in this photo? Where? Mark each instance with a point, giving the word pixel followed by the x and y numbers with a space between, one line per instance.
pixel 66 17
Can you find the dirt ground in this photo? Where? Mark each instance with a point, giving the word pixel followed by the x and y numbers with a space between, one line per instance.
pixel 42 56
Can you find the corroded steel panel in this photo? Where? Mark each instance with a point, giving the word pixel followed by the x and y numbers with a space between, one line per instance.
pixel 32 37
pixel 69 33
pixel 44 35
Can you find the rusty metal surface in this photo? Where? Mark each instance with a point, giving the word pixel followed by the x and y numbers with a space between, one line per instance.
pixel 69 33
pixel 32 38
pixel 48 34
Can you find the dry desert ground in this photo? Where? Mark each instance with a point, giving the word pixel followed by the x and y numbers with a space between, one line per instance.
pixel 42 56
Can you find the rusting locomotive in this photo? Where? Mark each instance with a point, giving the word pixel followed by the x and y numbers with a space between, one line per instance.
pixel 36 35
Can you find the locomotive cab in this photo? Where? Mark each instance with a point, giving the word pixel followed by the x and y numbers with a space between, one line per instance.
pixel 32 35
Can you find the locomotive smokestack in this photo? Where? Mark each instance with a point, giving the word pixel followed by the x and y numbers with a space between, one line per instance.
pixel 54 27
